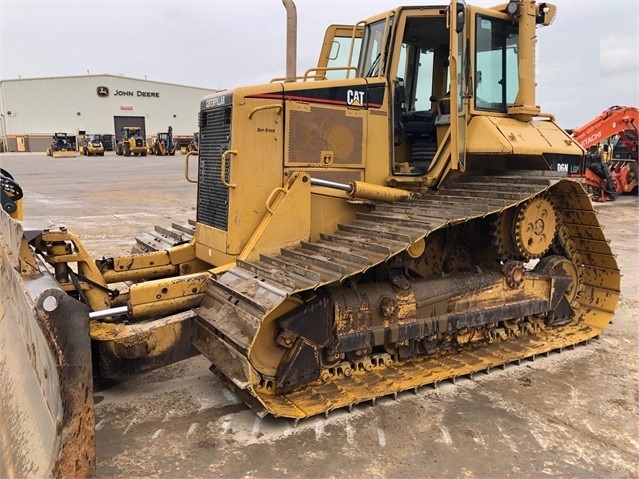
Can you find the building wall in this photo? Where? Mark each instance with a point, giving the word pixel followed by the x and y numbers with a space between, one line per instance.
pixel 31 143
pixel 39 107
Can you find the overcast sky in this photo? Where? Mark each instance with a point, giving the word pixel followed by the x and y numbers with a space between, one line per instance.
pixel 588 58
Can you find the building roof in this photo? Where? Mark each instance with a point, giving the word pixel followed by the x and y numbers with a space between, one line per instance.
pixel 104 75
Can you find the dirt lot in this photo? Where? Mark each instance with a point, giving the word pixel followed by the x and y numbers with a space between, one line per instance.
pixel 573 414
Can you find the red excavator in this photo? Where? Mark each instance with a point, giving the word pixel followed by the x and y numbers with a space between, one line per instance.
pixel 611 169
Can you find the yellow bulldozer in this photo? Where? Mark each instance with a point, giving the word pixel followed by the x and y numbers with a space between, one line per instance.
pixel 132 142
pixel 395 216
pixel 62 145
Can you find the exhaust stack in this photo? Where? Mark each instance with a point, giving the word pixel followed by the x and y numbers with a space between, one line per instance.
pixel 291 40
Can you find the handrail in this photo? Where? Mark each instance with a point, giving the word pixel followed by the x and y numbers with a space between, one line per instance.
pixel 281 79
pixel 352 47
pixel 272 197
pixel 325 69
pixel 265 107
pixel 223 168
pixel 318 75
pixel 186 167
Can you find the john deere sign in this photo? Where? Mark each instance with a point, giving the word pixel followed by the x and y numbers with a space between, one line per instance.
pixel 104 91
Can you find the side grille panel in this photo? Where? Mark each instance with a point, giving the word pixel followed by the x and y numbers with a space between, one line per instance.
pixel 213 196
pixel 317 130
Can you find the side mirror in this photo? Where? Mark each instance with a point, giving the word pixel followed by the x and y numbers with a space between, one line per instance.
pixel 460 17
pixel 400 92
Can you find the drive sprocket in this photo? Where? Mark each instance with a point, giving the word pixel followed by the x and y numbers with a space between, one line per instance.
pixel 502 235
pixel 535 227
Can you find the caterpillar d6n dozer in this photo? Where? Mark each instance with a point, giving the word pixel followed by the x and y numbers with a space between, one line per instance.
pixel 394 217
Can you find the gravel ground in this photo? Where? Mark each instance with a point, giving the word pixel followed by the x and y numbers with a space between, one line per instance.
pixel 573 414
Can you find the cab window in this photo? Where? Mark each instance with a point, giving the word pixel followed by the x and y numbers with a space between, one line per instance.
pixel 496 63
pixel 338 57
pixel 372 49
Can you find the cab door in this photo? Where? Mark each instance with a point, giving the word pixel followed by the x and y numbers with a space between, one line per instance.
pixel 457 24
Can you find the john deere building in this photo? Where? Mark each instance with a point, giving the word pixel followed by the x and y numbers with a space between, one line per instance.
pixel 32 110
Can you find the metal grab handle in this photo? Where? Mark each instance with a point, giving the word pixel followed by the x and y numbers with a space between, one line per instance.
pixel 320 72
pixel 272 197
pixel 265 107
pixel 186 167
pixel 223 168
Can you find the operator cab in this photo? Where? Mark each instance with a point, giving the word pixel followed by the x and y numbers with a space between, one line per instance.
pixel 442 65
pixel 421 104
pixel 409 49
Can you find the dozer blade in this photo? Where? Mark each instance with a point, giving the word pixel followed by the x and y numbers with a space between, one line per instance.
pixel 65 154
pixel 46 389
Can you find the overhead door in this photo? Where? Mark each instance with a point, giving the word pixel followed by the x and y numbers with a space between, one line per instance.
pixel 122 121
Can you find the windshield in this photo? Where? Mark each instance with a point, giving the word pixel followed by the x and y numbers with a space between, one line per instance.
pixel 372 49
pixel 496 76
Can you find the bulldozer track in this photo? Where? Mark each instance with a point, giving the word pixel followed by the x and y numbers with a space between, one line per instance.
pixel 252 290
pixel 161 238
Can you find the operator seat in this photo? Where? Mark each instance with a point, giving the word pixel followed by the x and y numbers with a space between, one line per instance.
pixel 419 122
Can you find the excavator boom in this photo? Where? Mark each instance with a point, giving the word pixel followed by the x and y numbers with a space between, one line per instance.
pixel 615 120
